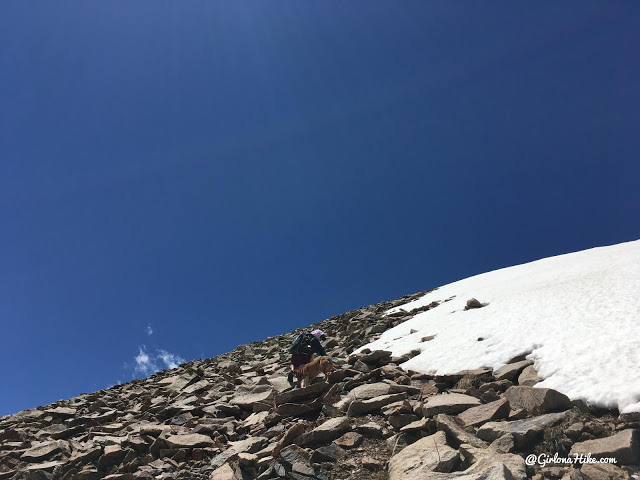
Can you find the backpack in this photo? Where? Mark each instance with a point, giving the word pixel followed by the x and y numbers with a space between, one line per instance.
pixel 301 344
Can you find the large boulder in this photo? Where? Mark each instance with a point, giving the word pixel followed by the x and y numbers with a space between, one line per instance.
pixel 429 454
pixel 450 404
pixel 41 451
pixel 301 394
pixel 113 455
pixel 624 446
pixel 325 433
pixel 524 432
pixel 226 472
pixel 250 445
pixel 493 466
pixel 511 370
pixel 298 409
pixel 192 440
pixel 529 377
pixel 364 392
pixel 536 400
pixel 360 407
pixel 247 396
pixel 455 433
pixel 476 416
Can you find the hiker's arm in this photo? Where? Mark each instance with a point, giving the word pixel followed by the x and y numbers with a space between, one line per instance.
pixel 316 347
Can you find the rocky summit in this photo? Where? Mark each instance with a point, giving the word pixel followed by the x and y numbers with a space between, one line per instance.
pixel 235 417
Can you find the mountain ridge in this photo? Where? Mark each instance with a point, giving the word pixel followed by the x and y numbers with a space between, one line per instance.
pixel 235 417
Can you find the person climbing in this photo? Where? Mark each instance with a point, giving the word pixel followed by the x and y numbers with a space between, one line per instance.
pixel 302 347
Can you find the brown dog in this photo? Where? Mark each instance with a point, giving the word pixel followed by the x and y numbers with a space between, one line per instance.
pixel 306 373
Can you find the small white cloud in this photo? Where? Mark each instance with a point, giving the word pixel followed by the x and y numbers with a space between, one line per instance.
pixel 149 330
pixel 170 360
pixel 146 363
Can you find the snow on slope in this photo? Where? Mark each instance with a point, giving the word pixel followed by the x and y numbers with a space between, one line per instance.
pixel 578 314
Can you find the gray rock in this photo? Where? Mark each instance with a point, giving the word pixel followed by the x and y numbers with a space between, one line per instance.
pixel 424 424
pixel 41 451
pixel 427 455
pixel 504 444
pixel 537 400
pixel 511 370
pixel 473 303
pixel 349 440
pixel 524 432
pixel 300 394
pixel 328 453
pixel 401 420
pixel 247 396
pixel 226 472
pixel 287 439
pixel 529 377
pixel 250 445
pixel 298 409
pixel 371 430
pixel 481 414
pixel 325 433
pixel 624 446
pixel 451 403
pixel 361 407
pixel 604 471
pixel 456 434
pixel 375 356
pixel 193 440
pixel 113 455
pixel 364 392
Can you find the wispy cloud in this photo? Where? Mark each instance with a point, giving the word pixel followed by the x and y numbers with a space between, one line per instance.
pixel 146 363
pixel 149 330
pixel 170 360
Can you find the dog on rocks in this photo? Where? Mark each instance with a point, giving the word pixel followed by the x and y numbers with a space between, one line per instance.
pixel 306 373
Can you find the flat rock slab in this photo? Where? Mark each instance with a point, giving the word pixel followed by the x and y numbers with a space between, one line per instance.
pixel 604 471
pixel 247 396
pixel 62 412
pixel 329 453
pixel 524 431
pixel 449 404
pixel 325 433
pixel 511 370
pixel 47 467
pixel 41 451
pixel 300 394
pixel 374 356
pixel 422 424
pixel 537 400
pixel 476 416
pixel 298 409
pixel 193 440
pixel 250 445
pixel 425 456
pixel 624 446
pixel 361 407
pixel 349 440
pixel 364 392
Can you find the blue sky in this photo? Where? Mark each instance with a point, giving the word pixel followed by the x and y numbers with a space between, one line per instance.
pixel 178 178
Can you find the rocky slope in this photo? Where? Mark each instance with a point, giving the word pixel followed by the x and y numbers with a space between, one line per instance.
pixel 235 417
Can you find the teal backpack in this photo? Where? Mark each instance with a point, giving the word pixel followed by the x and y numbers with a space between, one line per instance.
pixel 301 344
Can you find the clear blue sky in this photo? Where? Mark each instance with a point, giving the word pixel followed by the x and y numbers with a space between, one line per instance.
pixel 189 176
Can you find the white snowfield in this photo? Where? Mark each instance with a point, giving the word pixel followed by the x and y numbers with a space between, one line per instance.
pixel 577 314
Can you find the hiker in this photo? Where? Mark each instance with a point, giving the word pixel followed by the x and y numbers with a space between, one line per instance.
pixel 303 346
